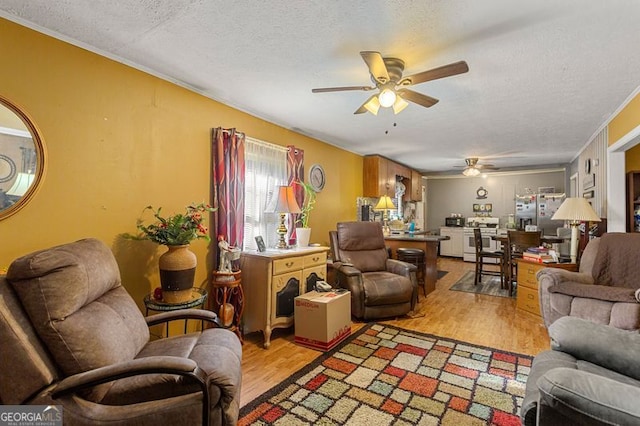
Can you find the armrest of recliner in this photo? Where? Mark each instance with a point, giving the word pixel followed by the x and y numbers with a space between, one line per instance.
pixel 346 269
pixel 603 345
pixel 147 365
pixel 554 276
pixel 182 314
pixel 400 268
pixel 587 398
pixel 551 277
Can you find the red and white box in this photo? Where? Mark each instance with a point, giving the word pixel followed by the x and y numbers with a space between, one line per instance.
pixel 322 320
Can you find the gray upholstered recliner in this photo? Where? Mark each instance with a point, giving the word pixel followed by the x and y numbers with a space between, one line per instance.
pixel 604 289
pixel 380 287
pixel 72 336
pixel 591 376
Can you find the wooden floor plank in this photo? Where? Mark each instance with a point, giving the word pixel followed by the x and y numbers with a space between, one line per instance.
pixel 478 319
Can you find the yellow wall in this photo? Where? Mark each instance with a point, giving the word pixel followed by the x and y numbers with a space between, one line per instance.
pixel 118 139
pixel 625 121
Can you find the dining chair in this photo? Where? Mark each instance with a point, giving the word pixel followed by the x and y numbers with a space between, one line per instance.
pixel 482 255
pixel 517 243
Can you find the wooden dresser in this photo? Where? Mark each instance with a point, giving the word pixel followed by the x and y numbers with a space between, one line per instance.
pixel 272 280
pixel 528 299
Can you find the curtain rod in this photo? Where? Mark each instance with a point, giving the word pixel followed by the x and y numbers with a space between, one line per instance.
pixel 265 144
pixel 229 131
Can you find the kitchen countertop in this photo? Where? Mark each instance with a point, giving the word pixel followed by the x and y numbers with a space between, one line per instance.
pixel 423 237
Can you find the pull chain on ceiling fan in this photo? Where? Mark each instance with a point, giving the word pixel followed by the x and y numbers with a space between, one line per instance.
pixel 386 74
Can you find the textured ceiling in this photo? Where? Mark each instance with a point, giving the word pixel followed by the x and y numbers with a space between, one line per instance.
pixel 543 75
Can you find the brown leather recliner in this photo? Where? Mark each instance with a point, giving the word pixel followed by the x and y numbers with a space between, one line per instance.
pixel 72 336
pixel 380 287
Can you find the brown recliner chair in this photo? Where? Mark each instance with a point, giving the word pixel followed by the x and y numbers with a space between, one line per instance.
pixel 72 336
pixel 604 291
pixel 380 287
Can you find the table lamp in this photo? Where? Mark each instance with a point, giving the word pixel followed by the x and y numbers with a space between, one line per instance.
pixel 385 203
pixel 575 210
pixel 283 202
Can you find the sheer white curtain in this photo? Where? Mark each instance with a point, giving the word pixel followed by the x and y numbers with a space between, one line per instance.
pixel 265 168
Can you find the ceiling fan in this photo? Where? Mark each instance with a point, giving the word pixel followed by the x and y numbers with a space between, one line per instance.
pixel 472 167
pixel 386 74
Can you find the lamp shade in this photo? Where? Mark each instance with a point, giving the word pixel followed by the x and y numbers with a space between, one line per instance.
pixel 576 209
pixel 385 203
pixel 373 105
pixel 283 201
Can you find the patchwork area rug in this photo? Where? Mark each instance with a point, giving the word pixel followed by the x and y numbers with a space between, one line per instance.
pixel 385 375
pixel 489 285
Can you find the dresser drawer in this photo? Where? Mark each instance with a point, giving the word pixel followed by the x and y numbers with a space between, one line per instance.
pixel 282 266
pixel 315 259
pixel 528 300
pixel 527 275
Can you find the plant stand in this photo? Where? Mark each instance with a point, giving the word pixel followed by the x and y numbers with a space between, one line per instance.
pixel 228 299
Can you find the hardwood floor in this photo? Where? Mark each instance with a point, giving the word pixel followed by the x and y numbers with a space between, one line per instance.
pixel 479 319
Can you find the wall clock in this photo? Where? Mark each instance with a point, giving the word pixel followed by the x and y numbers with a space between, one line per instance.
pixel 317 177
pixel 481 193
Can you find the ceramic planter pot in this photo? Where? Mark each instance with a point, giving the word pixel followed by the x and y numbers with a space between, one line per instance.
pixel 177 273
pixel 302 236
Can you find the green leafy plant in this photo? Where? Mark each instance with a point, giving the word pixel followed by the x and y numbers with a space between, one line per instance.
pixel 307 205
pixel 178 229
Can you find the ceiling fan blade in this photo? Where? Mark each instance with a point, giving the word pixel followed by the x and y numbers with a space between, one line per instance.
pixel 376 65
pixel 436 73
pixel 363 107
pixel 340 89
pixel 418 98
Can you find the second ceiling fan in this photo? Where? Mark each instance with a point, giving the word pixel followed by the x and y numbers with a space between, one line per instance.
pixel 386 74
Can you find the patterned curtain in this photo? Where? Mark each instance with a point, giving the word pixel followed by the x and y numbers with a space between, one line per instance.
pixel 295 172
pixel 228 184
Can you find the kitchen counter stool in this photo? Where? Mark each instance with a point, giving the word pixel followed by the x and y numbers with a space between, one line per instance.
pixel 416 257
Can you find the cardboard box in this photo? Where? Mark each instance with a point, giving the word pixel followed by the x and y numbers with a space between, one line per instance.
pixel 322 320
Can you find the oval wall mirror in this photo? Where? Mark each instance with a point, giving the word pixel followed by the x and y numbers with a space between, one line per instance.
pixel 21 158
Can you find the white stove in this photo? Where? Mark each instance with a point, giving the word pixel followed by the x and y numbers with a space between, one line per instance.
pixel 488 228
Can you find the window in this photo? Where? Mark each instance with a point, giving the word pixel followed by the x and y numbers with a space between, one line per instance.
pixel 265 168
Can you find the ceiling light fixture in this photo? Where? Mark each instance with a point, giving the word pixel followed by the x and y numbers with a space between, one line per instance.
pixel 399 105
pixel 387 97
pixel 373 105
pixel 471 171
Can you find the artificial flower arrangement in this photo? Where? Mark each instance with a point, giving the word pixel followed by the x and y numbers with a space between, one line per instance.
pixel 307 205
pixel 179 229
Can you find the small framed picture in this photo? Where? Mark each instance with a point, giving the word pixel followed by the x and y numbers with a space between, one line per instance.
pixel 476 207
pixel 260 243
pixel 488 207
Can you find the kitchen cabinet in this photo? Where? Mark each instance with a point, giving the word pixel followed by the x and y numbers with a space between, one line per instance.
pixel 633 200
pixel 527 298
pixel 414 187
pixel 454 246
pixel 376 177
pixel 272 280
pixel 379 178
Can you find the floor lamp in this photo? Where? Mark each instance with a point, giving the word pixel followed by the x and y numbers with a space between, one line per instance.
pixel 283 202
pixel 575 210
pixel 385 203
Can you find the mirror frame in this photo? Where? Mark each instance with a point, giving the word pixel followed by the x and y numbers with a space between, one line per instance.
pixel 40 158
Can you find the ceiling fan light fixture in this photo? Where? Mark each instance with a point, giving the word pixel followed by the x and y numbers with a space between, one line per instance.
pixel 387 97
pixel 471 171
pixel 399 105
pixel 373 105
